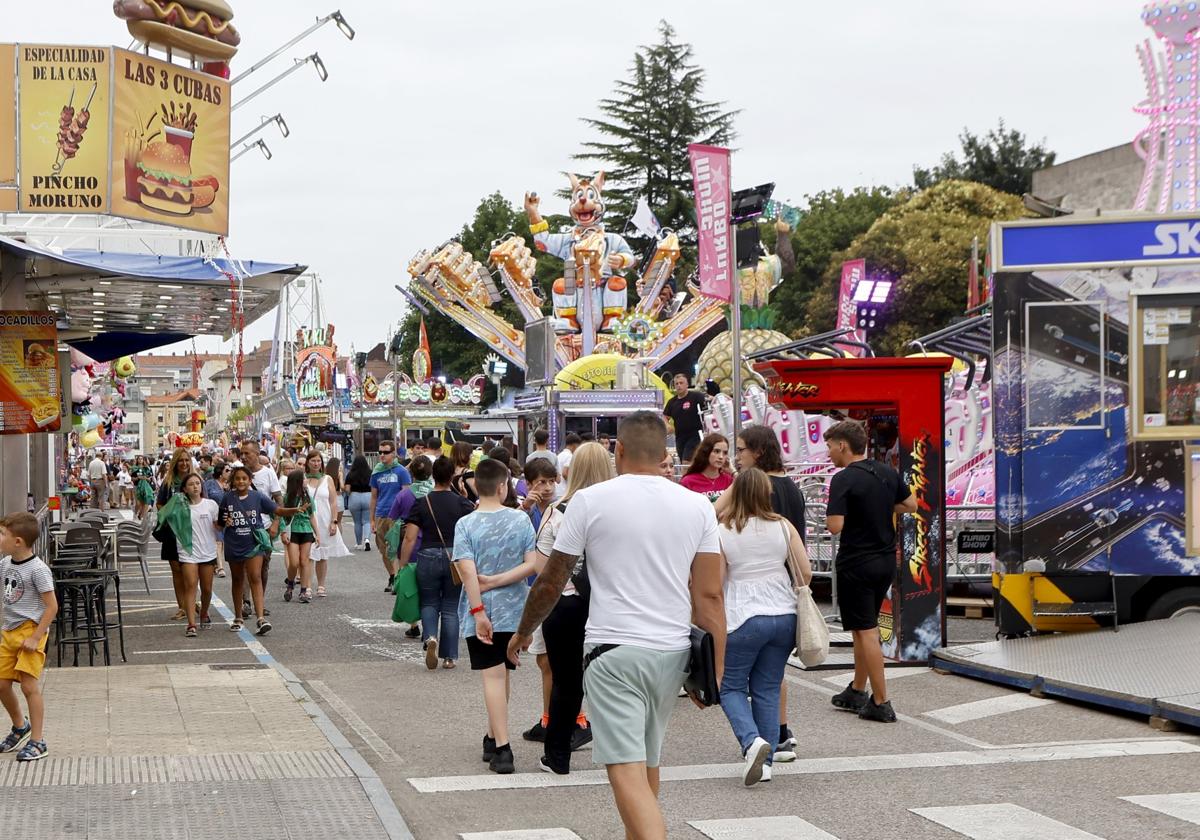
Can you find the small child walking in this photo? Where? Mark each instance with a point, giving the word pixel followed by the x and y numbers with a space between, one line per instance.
pixel 494 548
pixel 30 606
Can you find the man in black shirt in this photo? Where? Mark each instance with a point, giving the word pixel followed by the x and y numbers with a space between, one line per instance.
pixel 683 413
pixel 864 499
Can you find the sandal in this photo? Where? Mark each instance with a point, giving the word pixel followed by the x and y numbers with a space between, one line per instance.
pixel 288 587
pixel 220 573
pixel 235 626
pixel 180 615
pixel 205 622
pixel 191 631
pixel 305 596
pixel 264 627
pixel 320 591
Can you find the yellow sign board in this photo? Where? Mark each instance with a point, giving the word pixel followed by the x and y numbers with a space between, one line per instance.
pixel 29 383
pixel 170 149
pixel 63 109
pixel 8 114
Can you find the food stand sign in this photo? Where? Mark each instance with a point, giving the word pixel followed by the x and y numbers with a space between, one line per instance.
pixel 29 384
pixel 170 149
pixel 8 128
pixel 63 113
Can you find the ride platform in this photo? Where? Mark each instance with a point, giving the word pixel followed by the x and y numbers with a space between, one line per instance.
pixel 1151 668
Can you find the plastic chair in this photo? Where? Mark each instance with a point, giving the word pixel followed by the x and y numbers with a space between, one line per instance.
pixel 132 548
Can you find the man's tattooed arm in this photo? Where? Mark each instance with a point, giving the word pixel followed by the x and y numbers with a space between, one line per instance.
pixel 546 591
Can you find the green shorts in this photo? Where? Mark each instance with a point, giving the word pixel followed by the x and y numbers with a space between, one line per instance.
pixel 631 692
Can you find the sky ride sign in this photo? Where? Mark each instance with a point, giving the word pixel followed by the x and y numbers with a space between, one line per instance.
pixel 1097 242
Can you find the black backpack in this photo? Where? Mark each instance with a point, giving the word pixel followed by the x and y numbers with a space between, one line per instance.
pixel 579 579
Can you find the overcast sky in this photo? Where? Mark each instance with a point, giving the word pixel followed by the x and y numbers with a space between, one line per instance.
pixel 435 105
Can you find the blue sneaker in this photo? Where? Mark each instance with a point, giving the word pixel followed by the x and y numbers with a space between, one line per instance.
pixel 15 738
pixel 33 751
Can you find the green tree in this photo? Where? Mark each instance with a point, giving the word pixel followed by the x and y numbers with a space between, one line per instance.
pixel 831 221
pixel 456 353
pixel 925 244
pixel 646 126
pixel 1002 159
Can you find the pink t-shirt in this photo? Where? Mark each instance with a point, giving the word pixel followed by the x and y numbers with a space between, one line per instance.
pixel 711 487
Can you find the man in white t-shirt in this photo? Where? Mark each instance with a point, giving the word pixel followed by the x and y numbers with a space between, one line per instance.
pixel 653 560
pixel 564 458
pixel 98 477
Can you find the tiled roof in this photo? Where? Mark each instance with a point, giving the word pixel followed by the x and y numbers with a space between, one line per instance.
pixel 190 395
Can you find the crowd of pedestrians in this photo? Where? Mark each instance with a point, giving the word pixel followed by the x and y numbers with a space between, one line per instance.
pixel 596 562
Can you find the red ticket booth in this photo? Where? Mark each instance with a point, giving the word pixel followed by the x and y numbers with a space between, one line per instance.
pixel 902 402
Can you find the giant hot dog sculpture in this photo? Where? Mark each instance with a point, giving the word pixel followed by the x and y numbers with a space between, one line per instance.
pixel 198 27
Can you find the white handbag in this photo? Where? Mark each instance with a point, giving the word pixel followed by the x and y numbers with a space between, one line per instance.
pixel 812 633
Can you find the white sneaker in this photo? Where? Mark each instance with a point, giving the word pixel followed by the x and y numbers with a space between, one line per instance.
pixel 766 773
pixel 784 756
pixel 756 757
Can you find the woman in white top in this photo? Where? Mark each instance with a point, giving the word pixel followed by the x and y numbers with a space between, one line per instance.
pixel 763 552
pixel 198 564
pixel 326 516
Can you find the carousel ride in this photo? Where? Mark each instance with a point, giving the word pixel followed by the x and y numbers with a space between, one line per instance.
pixel 589 306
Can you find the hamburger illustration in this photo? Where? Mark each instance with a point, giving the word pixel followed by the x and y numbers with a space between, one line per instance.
pixel 165 179
pixel 198 27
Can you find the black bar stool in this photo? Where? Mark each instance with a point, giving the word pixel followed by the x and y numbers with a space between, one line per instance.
pixel 81 620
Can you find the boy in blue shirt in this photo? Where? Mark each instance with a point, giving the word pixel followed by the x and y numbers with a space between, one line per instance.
pixel 494 548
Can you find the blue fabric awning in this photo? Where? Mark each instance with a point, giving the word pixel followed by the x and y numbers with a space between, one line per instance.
pixel 112 304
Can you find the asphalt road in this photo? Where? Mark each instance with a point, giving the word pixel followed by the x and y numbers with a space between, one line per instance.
pixel 1006 766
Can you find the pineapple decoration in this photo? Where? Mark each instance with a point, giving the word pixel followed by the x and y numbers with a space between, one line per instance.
pixel 758 319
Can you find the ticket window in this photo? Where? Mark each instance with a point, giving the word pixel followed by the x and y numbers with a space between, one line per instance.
pixel 1165 365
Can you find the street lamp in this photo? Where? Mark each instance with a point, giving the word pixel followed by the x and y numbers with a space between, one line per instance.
pixel 257 144
pixel 314 59
pixel 266 121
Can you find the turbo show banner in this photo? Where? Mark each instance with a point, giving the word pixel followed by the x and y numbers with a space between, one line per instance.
pixel 29 383
pixel 63 117
pixel 170 149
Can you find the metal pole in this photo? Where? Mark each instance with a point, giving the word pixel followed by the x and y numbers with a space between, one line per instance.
pixel 336 16
pixel 300 62
pixel 735 332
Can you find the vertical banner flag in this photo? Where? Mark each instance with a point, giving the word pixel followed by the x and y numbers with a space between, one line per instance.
pixel 64 96
pixel 8 128
pixel 710 178
pixel 29 395
pixel 853 271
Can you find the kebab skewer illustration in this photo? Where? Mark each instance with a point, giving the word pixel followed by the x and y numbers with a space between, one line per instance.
pixel 71 127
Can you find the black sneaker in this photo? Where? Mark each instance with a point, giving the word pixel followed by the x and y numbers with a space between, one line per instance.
pixel 581 737
pixel 489 747
pixel 881 712
pixel 546 767
pixel 288 587
pixel 366 545
pixel 413 632
pixel 390 588
pixel 247 609
pixel 537 732
pixel 502 760
pixel 850 699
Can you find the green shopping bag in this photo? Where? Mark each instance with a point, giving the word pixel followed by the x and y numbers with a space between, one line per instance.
pixel 407 609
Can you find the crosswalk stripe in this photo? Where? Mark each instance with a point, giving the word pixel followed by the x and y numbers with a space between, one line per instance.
pixel 890 674
pixel 1181 806
pixel 812 766
pixel 761 828
pixel 524 834
pixel 979 709
pixel 1001 822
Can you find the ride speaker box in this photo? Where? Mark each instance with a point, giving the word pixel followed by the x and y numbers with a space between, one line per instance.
pixel 539 353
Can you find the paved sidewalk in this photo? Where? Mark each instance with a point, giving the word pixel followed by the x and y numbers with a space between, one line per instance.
pixel 182 751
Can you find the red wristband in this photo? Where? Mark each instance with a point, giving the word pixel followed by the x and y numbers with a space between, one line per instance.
pixel 476 610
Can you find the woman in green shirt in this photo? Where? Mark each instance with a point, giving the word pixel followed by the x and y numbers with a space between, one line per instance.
pixel 299 537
